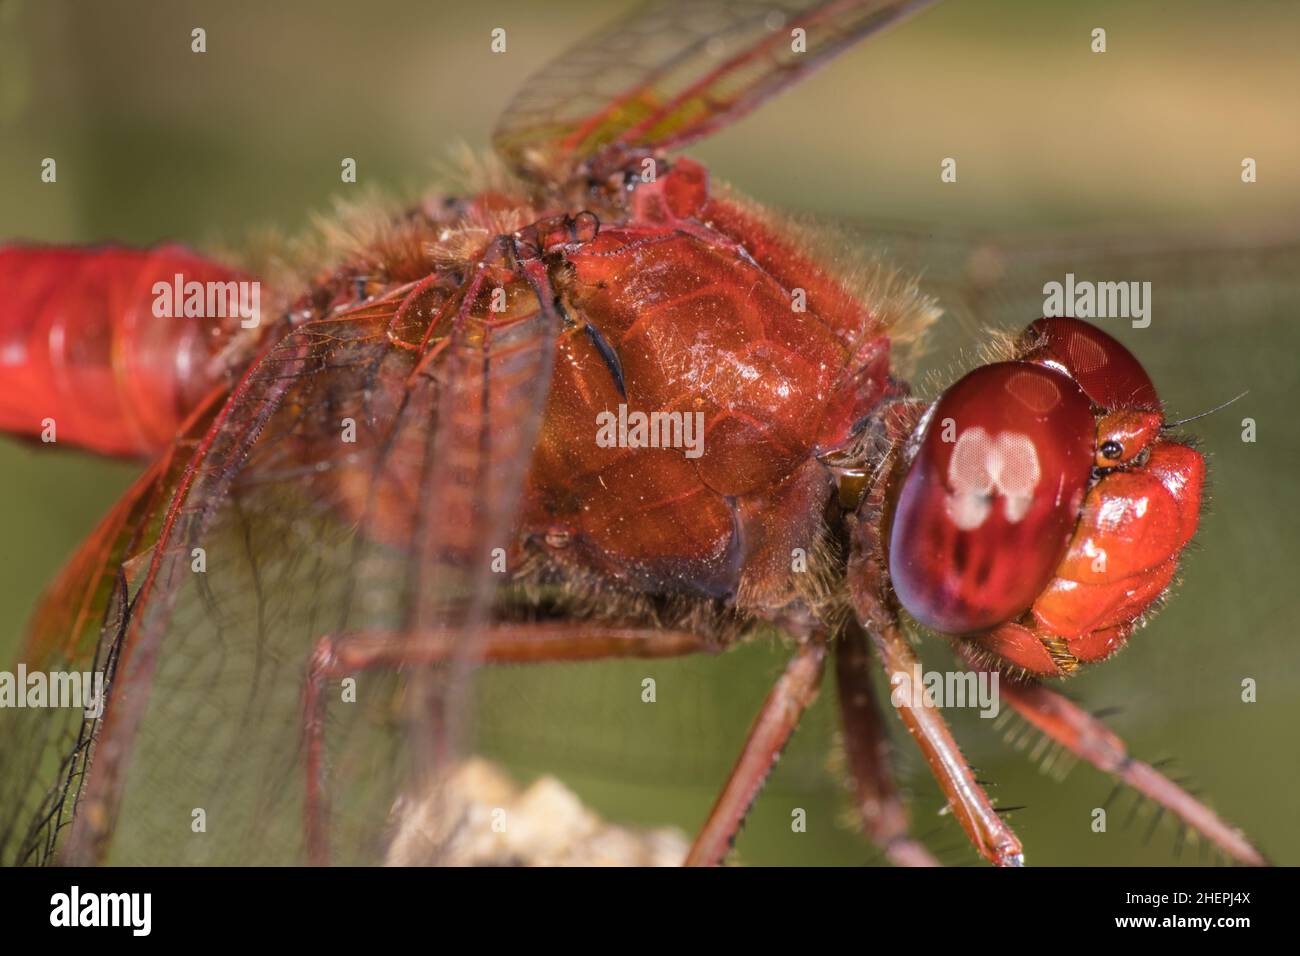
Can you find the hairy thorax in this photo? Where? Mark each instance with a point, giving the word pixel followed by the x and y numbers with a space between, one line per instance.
pixel 707 358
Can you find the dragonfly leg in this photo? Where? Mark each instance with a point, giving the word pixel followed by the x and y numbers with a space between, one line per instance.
pixel 1077 730
pixel 792 694
pixel 879 617
pixel 990 834
pixel 345 655
pixel 866 748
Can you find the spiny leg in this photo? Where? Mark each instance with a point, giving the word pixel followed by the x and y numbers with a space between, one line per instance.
pixel 866 749
pixel 792 694
pixel 975 812
pixel 345 655
pixel 878 616
pixel 1085 735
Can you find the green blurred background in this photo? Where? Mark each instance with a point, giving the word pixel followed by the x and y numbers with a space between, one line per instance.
pixel 1124 165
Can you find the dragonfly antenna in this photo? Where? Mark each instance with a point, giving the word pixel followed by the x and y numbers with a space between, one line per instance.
pixel 1217 408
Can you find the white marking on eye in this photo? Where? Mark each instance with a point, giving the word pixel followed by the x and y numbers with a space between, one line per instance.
pixel 982 467
pixel 968 511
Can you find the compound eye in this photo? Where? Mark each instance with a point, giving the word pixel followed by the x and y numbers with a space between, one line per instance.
pixel 987 507
pixel 1108 372
pixel 1112 450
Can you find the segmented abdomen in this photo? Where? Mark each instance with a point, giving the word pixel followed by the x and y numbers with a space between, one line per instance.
pixel 84 358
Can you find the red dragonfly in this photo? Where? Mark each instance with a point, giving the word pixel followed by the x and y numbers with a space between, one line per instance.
pixel 429 460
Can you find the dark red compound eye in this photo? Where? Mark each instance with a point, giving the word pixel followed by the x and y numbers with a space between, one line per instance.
pixel 1107 372
pixel 988 505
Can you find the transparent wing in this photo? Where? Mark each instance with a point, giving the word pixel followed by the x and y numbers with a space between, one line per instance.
pixel 77 630
pixel 671 73
pixel 349 484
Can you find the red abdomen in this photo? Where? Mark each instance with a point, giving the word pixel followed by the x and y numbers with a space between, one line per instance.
pixel 83 357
